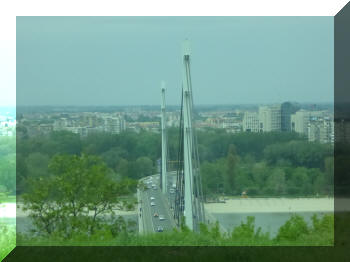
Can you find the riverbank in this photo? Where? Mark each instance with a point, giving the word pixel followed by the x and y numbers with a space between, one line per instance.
pixel 277 205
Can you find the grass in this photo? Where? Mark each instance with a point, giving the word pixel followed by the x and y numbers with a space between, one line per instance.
pixel 7 240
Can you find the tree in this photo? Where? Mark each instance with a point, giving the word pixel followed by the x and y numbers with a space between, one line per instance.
pixel 301 180
pixel 212 177
pixel 77 196
pixel 232 161
pixel 276 181
pixel 293 229
pixel 260 172
pixel 8 164
pixel 329 174
pixel 144 167
pixel 113 156
pixel 123 167
pixel 62 142
pixel 8 174
pixel 37 164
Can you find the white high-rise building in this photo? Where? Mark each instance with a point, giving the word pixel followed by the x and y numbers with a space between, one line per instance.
pixel 114 125
pixel 321 130
pixel 251 122
pixel 270 118
pixel 300 120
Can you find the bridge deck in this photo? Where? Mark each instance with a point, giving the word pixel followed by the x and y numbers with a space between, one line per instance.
pixel 149 222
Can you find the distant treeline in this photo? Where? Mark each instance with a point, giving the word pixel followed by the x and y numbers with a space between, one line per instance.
pixel 265 164
pixel 259 163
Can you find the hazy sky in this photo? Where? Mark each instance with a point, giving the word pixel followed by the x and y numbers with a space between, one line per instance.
pixel 122 60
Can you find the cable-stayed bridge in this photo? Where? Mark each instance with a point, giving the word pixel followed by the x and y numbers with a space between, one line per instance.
pixel 175 198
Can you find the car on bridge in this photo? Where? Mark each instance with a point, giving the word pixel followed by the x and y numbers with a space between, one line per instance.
pixel 153 204
pixel 155 215
pixel 159 229
pixel 152 198
pixel 161 217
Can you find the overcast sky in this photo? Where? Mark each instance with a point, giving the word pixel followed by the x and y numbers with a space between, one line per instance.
pixel 122 60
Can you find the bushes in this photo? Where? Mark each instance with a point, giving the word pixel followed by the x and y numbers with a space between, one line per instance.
pixel 293 229
pixel 294 232
pixel 247 235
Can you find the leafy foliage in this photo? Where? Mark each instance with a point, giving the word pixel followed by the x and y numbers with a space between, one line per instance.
pixel 78 196
pixel 294 232
pixel 263 164
pixel 7 165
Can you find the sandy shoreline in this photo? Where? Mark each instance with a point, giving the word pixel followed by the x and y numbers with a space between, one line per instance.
pixel 278 205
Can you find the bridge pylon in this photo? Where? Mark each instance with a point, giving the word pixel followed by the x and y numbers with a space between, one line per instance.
pixel 189 195
pixel 163 177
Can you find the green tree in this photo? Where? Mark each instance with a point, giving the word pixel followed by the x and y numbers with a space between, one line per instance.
pixel 260 172
pixel 301 180
pixel 113 156
pixel 144 167
pixel 246 233
pixel 37 164
pixel 8 173
pixel 76 197
pixel 231 172
pixel 123 167
pixel 329 174
pixel 212 177
pixel 293 229
pixel 276 181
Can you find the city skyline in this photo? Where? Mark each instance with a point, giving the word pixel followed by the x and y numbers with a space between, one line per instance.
pixel 121 60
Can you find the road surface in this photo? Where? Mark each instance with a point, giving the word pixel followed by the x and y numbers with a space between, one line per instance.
pixel 149 222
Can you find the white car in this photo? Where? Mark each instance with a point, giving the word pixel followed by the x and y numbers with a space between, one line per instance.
pixel 171 191
pixel 153 204
pixel 161 217
pixel 152 198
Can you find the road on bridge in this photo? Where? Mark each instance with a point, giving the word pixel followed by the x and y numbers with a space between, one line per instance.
pixel 161 207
